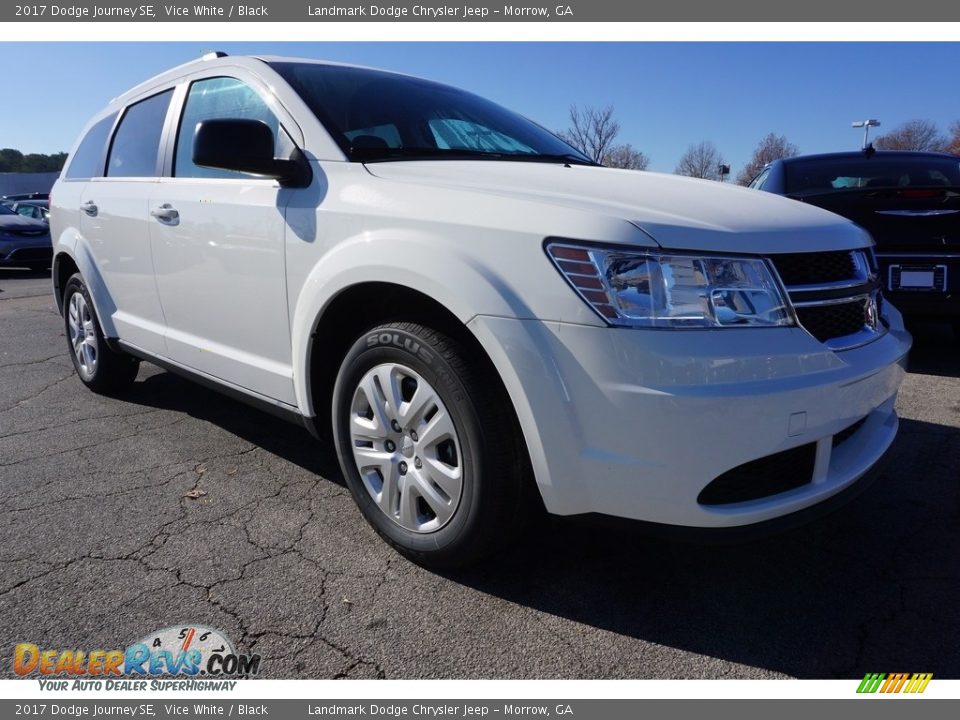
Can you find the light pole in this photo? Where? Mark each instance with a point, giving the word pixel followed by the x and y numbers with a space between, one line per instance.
pixel 866 125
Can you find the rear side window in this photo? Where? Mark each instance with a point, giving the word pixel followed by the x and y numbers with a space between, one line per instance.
pixel 136 143
pixel 759 180
pixel 829 175
pixel 220 99
pixel 87 161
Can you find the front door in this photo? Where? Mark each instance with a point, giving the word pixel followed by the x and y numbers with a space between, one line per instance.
pixel 217 238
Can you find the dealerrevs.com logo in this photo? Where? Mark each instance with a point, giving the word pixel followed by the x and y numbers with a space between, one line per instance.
pixel 180 657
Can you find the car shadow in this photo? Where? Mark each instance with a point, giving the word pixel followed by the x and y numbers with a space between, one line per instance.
pixel 873 587
pixel 168 391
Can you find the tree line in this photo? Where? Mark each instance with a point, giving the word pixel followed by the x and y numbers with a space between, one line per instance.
pixel 14 161
pixel 594 132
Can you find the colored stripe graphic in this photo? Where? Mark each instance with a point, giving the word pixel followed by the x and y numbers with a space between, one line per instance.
pixel 918 682
pixel 894 682
pixel 870 683
pixel 188 639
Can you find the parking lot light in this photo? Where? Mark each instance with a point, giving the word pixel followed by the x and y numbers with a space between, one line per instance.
pixel 866 125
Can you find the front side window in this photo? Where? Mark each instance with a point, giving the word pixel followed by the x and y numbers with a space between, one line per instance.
pixel 221 98
pixel 136 143
pixel 87 160
pixel 376 115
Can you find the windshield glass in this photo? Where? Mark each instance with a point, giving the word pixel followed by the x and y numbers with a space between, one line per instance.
pixel 6 210
pixel 375 115
pixel 826 175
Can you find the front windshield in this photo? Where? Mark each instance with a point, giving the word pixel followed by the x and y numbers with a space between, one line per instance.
pixel 375 115
pixel 5 210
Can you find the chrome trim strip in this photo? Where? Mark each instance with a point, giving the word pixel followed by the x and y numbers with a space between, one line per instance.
pixel 826 287
pixel 833 301
pixel 946 256
pixel 917 213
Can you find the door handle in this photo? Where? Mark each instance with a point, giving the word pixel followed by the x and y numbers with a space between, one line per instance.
pixel 165 213
pixel 90 208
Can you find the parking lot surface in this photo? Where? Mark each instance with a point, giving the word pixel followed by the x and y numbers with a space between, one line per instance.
pixel 101 543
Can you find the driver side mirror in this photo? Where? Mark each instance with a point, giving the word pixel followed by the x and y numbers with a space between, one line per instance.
pixel 247 146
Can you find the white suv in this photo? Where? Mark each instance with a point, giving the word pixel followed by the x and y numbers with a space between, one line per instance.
pixel 481 317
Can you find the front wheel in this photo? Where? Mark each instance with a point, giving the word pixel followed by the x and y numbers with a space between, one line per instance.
pixel 427 445
pixel 100 368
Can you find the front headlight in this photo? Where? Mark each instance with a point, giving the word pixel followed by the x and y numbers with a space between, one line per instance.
pixel 652 289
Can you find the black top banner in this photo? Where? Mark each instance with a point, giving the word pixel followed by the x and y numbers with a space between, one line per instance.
pixel 322 11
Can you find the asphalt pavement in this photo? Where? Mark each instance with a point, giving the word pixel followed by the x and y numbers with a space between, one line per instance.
pixel 177 505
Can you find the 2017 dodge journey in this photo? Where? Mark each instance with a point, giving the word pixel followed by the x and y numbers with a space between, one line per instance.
pixel 478 315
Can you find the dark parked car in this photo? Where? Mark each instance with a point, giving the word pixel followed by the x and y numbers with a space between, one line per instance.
pixel 36 209
pixel 908 201
pixel 24 242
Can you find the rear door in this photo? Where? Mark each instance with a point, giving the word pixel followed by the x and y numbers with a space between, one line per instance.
pixel 114 219
pixel 218 244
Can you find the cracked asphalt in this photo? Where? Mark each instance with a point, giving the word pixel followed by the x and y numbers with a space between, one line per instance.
pixel 100 544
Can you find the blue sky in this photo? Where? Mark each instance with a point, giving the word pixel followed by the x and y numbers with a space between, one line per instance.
pixel 666 95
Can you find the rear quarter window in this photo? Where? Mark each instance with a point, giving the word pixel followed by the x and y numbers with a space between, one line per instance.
pixel 87 160
pixel 136 144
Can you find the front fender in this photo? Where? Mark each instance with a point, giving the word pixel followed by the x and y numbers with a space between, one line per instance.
pixel 431 265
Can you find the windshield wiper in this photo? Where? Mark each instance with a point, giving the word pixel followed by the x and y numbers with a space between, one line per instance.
pixel 418 153
pixel 565 158
pixel 433 153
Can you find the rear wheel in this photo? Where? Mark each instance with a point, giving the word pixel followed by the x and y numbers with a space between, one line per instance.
pixel 100 368
pixel 427 445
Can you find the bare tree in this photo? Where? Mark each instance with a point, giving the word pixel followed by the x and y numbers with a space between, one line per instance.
pixel 953 144
pixel 913 135
pixel 627 157
pixel 702 160
pixel 772 147
pixel 592 131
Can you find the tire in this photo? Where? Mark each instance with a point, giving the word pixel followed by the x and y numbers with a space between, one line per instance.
pixel 100 368
pixel 444 485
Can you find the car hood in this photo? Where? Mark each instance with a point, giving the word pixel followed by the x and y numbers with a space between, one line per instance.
pixel 677 212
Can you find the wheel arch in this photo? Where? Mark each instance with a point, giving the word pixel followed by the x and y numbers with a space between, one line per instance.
pixel 69 259
pixel 362 306
pixel 365 305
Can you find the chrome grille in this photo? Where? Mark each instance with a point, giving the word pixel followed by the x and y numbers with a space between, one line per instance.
pixel 835 295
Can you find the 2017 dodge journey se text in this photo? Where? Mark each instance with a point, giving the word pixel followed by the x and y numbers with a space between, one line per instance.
pixel 479 316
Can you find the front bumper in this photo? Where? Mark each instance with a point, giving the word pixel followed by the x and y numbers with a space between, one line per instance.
pixel 636 423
